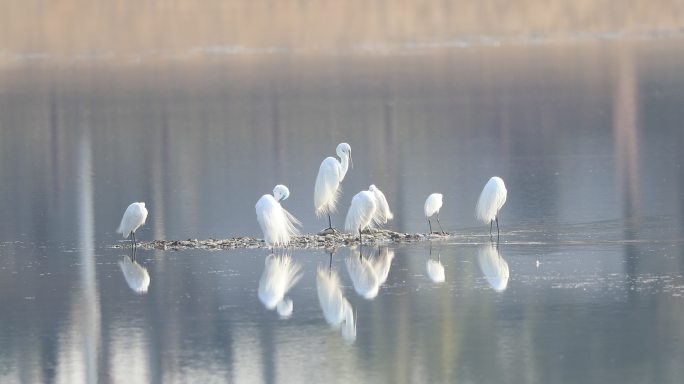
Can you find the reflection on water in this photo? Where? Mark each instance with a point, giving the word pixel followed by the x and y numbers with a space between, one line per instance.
pixel 493 266
pixel 435 269
pixel 368 271
pixel 279 276
pixel 137 277
pixel 336 308
pixel 587 137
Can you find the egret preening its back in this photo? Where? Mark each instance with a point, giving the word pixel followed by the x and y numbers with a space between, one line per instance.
pixel 330 175
pixel 432 206
pixel 133 218
pixel 277 224
pixel 368 209
pixel 491 200
pixel 280 274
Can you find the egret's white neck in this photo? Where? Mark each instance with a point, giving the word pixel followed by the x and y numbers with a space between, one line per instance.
pixel 345 165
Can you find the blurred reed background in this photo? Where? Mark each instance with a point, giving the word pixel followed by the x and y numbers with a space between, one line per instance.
pixel 64 30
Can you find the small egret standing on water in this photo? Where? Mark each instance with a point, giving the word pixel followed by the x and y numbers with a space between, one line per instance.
pixel 133 218
pixel 277 224
pixel 432 206
pixel 491 200
pixel 327 188
pixel 368 208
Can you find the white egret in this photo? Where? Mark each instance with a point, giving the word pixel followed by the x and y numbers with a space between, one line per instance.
pixel 133 218
pixel 277 224
pixel 279 276
pixel 493 266
pixel 491 200
pixel 368 209
pixel 336 308
pixel 435 269
pixel 137 277
pixel 432 206
pixel 330 175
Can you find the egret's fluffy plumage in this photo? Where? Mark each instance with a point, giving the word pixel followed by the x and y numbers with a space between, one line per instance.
pixel 277 224
pixel 491 200
pixel 137 277
pixel 432 204
pixel 493 266
pixel 361 212
pixel 435 271
pixel 279 276
pixel 133 218
pixel 383 213
pixel 330 174
pixel 368 208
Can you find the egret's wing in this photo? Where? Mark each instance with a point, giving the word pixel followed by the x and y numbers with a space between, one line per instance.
pixel 363 277
pixel 493 266
pixel 330 296
pixel 137 277
pixel 266 209
pixel 383 213
pixel 432 204
pixel 491 199
pixel 134 217
pixel 327 189
pixel 361 212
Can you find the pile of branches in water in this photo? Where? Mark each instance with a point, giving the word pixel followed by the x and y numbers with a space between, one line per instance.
pixel 299 242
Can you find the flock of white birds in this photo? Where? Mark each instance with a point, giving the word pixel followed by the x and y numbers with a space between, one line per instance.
pixel 368 209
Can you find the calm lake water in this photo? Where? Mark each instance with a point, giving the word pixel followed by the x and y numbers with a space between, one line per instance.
pixel 586 284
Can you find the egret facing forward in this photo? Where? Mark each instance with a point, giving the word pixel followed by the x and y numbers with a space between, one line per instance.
pixel 432 206
pixel 491 200
pixel 330 175
pixel 368 209
pixel 133 218
pixel 277 224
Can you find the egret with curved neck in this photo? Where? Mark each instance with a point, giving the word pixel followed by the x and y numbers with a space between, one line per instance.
pixel 330 175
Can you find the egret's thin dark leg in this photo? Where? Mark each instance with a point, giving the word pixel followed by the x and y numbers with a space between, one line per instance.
pixel 490 227
pixel 330 266
pixel 329 222
pixel 135 254
pixel 440 224
pixel 496 218
pixel 430 224
pixel 135 243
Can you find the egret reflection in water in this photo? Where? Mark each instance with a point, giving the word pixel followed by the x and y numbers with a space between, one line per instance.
pixel 493 266
pixel 279 276
pixel 435 269
pixel 336 308
pixel 137 277
pixel 368 272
